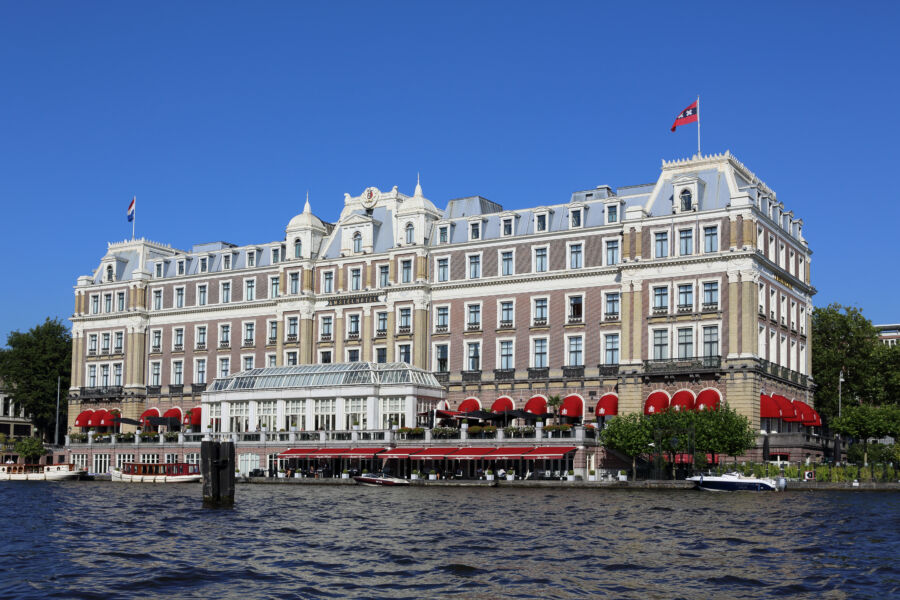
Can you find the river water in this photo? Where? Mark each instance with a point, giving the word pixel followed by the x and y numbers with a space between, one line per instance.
pixel 110 540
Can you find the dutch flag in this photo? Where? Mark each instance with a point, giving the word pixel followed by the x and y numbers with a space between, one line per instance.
pixel 131 209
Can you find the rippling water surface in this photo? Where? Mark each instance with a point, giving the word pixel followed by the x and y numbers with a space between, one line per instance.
pixel 108 540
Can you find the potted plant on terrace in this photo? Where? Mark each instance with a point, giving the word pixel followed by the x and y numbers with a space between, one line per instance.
pixel 432 475
pixel 570 476
pixel 280 473
pixel 592 475
pixel 489 474
pixel 511 475
pixel 171 436
pixel 415 474
pixel 345 474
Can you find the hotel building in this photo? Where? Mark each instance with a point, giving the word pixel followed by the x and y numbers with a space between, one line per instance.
pixel 685 292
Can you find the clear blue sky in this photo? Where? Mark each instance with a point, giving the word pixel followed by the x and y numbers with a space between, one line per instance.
pixel 219 117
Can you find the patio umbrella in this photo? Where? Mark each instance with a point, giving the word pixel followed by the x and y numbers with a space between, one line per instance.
pixel 482 415
pixel 126 421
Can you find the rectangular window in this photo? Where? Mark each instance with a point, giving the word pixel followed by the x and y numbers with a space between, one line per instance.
pixel 276 254
pixel 295 283
pixel 104 375
pixel 201 336
pixel 325 357
pixel 179 338
pixel 474 356
pixel 612 349
pixel 576 357
pixel 382 318
pixel 685 295
pixel 506 262
pixel 406 271
pixel 226 262
pixel 225 334
pixel 273 331
pixel 575 218
pixel 660 344
pixel 355 280
pixel 157 300
pixel 442 358
pixel 117 374
pixel 442 319
pixel 507 227
pixel 249 333
pixel 251 258
pixel 475 231
pixel 474 266
pixel 201 295
pixel 226 292
pixel 710 239
pixel 107 303
pixel 353 355
pixel 274 287
pixel 383 276
pixel 200 376
pixel 181 267
pixel 506 355
pixel 292 326
pixel 353 325
pixel 612 252
pixel 177 372
pixel 443 236
pixel 326 327
pixel 179 298
pixel 224 366
pixel 540 311
pixel 92 343
pixel 575 258
pixel 95 304
pixel 711 341
pixel 686 242
pixel 540 353
pixel 612 214
pixel 121 301
pixel 158 271
pixel 104 346
pixel 660 297
pixel 92 376
pixel 662 244
pixel 157 340
pixel 381 355
pixel 541 223
pixel 506 312
pixel 119 340
pixel 685 343
pixel 443 270
pixel 155 374
pixel 711 293
pixel 474 316
pixel 612 303
pixel 576 309
pixel 250 290
pixel 405 317
pixel 540 260
pixel 404 352
pixel 248 363
pixel 203 265
pixel 328 282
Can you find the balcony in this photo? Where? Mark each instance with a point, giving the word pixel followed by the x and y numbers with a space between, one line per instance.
pixel 441 329
pixel 154 390
pixel 272 340
pixel 611 316
pixel 505 325
pixel 200 346
pixel 608 370
pixel 660 310
pixel 504 374
pixel 442 376
pixel 380 333
pixel 573 372
pixel 404 330
pixel 710 307
pixel 471 376
pixel 117 350
pixel 325 337
pixel 176 388
pixel 291 337
pixel 539 322
pixel 94 352
pixel 178 347
pixel 101 392
pixel 575 320
pixel 224 344
pixel 685 309
pixel 248 343
pixel 353 335
pixel 473 326
pixel 155 349
pixel 197 388
pixel 677 365
pixel 538 372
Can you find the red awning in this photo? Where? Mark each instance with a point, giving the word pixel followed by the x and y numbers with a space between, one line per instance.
pixel 150 412
pixel 708 399
pixel 607 406
pixel 173 413
pixel 572 406
pixel 683 400
pixel 808 416
pixel 400 452
pixel 503 403
pixel 362 452
pixel 537 405
pixel 657 402
pixel 192 417
pixel 687 459
pixel 548 452
pixel 432 453
pixel 468 405
pixel 296 453
pixel 448 414
pixel 107 419
pixel 84 418
pixel 329 453
pixel 470 453
pixel 788 413
pixel 98 416
pixel 768 408
pixel 510 452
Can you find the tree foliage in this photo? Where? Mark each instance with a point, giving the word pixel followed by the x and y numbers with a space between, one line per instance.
pixel 864 422
pixel 29 367
pixel 30 449
pixel 629 434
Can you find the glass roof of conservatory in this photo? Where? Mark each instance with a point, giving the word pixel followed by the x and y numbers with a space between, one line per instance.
pixel 327 375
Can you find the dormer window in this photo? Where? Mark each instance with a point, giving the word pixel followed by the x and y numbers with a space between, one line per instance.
pixel 357 242
pixel 159 270
pixel 298 248
pixel 507 227
pixel 686 200
pixel 410 234
pixel 475 231
pixel 251 258
pixel 181 267
pixel 540 223
pixel 203 265
pixel 575 218
pixel 612 214
pixel 109 273
pixel 443 235
pixel 226 262
pixel 276 255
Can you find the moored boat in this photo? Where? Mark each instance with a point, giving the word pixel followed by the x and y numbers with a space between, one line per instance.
pixel 40 472
pixel 379 479
pixel 735 482
pixel 157 473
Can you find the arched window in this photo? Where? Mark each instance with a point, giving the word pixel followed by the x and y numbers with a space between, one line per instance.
pixel 357 242
pixel 686 200
pixel 410 233
pixel 298 248
pixel 109 273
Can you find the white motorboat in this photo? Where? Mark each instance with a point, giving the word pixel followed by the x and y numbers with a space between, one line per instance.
pixel 157 473
pixel 378 479
pixel 40 472
pixel 735 482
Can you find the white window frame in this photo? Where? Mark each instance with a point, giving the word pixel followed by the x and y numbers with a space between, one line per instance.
pixel 466 343
pixel 605 251
pixel 322 276
pixel 693 231
pixel 512 229
pixel 172 371
pixel 577 209
pixel 150 374
pixel 412 270
pixel 437 260
pixel 359 281
pixel 246 289
pixel 500 253
pixel 480 306
pixel 404 343
pixel 434 355
pixel 152 332
pixel 703 228
pixel 197 289
pixel 569 245
pixel 478 221
pixel 532 300
pixel 546 215
pixel 534 251
pixel 222 292
pixel 500 302
pixel 531 350
pixel 435 316
pixel 274 293
pixel 567 349
pixel 196 372
pixel 603 349
pixel 480 265
pixel 498 357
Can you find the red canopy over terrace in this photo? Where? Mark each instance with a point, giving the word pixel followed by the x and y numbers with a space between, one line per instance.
pixel 537 405
pixel 362 452
pixel 788 413
pixel 107 419
pixel 84 418
pixel 297 453
pixel 572 407
pixel 469 453
pixel 683 400
pixel 173 413
pixel 809 417
pixel 150 412
pixel 98 416
pixel 469 405
pixel 768 408
pixel 548 452
pixel 708 399
pixel 657 402
pixel 433 453
pixel 686 459
pixel 329 453
pixel 192 417
pixel 508 452
pixel 400 453
pixel 503 403
pixel 607 406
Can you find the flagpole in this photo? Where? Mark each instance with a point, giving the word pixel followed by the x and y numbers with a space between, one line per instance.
pixel 698 126
pixel 134 214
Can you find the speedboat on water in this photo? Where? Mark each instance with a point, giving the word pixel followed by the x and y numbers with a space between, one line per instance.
pixel 40 472
pixel 735 482
pixel 378 479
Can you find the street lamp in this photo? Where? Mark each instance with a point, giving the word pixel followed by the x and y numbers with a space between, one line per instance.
pixel 840 381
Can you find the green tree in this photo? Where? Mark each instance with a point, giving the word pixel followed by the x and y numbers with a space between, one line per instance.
pixel 30 365
pixel 554 402
pixel 673 433
pixel 30 449
pixel 629 434
pixel 864 422
pixel 843 339
pixel 734 435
